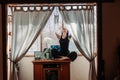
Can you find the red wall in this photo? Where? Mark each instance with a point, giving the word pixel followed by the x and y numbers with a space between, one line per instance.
pixel 111 37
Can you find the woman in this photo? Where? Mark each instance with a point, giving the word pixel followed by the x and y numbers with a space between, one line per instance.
pixel 64 45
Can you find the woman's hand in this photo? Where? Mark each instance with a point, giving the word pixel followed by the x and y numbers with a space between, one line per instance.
pixel 58 36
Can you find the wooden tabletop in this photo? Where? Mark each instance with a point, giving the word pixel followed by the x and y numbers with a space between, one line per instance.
pixel 53 60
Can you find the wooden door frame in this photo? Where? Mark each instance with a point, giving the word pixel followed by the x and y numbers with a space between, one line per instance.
pixel 100 68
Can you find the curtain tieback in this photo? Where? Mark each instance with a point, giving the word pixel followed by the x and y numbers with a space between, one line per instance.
pixel 93 57
pixel 12 61
pixel 91 60
pixel 15 63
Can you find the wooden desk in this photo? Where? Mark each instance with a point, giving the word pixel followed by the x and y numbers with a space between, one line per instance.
pixel 57 69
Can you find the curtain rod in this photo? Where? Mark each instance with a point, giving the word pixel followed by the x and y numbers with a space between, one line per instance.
pixel 38 5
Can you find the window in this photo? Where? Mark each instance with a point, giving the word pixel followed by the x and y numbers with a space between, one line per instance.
pixel 47 37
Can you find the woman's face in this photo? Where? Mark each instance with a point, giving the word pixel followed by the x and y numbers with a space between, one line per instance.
pixel 64 30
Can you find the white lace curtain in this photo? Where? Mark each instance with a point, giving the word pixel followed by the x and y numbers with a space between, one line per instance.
pixel 81 23
pixel 26 26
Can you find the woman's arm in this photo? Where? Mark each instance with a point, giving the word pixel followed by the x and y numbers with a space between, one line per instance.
pixel 58 36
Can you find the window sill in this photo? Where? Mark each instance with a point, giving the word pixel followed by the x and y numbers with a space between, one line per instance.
pixel 29 55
